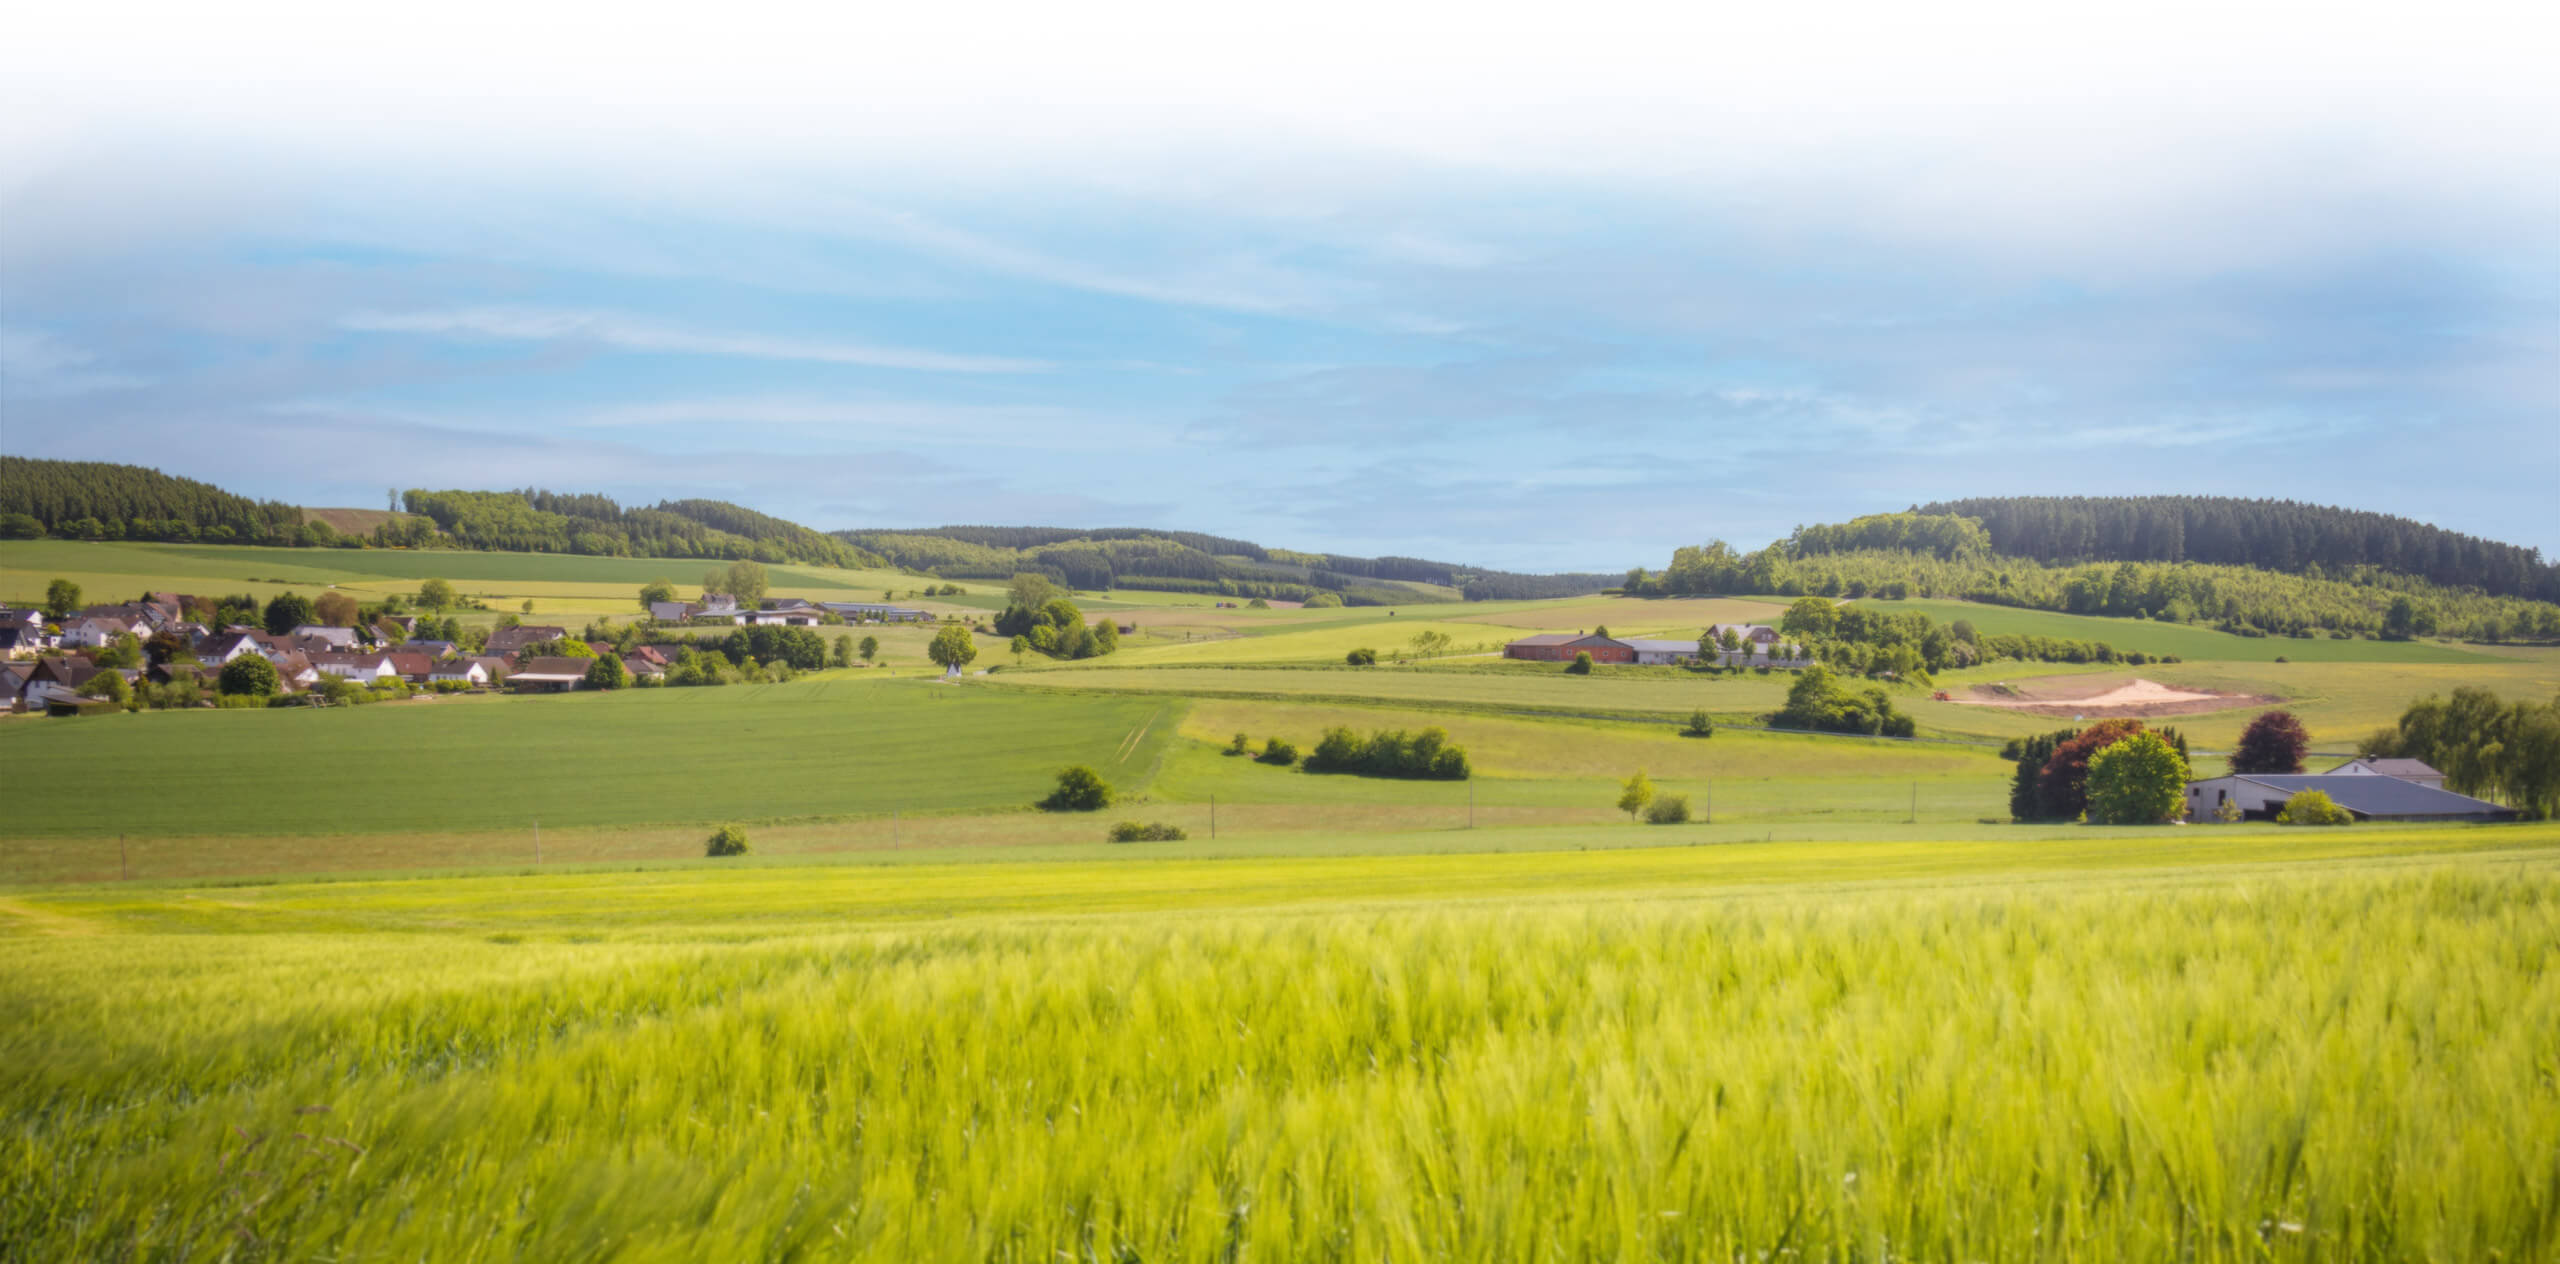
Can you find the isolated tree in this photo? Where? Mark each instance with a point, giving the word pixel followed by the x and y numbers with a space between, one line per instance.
pixel 952 646
pixel 728 840
pixel 528 605
pixel 2274 742
pixel 1700 725
pixel 1362 657
pixel 2139 780
pixel 607 672
pixel 336 609
pixel 870 648
pixel 61 597
pixel 288 611
pixel 1811 617
pixel 1242 745
pixel 1080 789
pixel 248 674
pixel 746 582
pixel 655 591
pixel 438 595
pixel 842 654
pixel 1429 644
pixel 1638 792
pixel 1021 645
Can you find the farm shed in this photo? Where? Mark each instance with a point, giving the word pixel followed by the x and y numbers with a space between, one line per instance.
pixel 1560 647
pixel 2369 797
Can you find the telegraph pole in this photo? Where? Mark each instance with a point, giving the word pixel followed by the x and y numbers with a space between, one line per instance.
pixel 1213 816
pixel 537 840
pixel 124 868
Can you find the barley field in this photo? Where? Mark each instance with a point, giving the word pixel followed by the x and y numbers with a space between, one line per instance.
pixel 2279 1047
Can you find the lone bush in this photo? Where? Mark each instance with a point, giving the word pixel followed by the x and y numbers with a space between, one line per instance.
pixel 1242 745
pixel 2313 807
pixel 1581 664
pixel 1668 809
pixel 728 840
pixel 1363 657
pixel 1153 832
pixel 1278 751
pixel 1080 789
pixel 1700 725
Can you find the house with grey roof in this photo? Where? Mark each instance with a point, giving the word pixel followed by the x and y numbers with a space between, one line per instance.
pixel 2413 770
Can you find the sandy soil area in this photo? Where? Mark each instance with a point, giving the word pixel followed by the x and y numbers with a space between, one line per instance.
pixel 2103 697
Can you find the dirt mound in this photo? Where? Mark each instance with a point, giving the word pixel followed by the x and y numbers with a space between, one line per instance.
pixel 2101 697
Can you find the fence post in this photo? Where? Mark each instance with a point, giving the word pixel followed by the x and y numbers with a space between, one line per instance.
pixel 124 869
pixel 537 840
pixel 1213 816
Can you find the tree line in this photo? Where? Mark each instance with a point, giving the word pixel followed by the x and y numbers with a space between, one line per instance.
pixel 2484 745
pixel 2276 535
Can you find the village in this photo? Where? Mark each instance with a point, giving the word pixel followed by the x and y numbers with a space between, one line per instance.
pixel 53 666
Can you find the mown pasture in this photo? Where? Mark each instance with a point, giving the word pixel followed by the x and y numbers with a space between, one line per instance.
pixel 2244 1045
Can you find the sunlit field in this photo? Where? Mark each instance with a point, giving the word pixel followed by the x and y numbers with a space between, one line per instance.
pixel 2259 1046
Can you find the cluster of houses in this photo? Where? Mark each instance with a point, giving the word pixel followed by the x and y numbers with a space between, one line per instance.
pixel 2369 789
pixel 1759 645
pixel 33 679
pixel 782 612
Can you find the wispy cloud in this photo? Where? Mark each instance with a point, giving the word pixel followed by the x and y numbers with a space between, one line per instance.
pixel 34 363
pixel 630 333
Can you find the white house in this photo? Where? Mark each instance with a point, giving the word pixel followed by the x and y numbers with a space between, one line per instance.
pixel 1662 651
pixel 222 647
pixel 465 670
pixel 2415 771
pixel 364 669
pixel 93 630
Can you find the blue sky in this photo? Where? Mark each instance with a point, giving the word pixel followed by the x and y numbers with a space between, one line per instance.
pixel 1463 284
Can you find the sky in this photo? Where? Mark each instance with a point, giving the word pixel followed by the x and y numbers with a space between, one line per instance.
pixel 1537 288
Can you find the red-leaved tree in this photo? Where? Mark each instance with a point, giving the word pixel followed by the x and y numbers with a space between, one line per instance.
pixel 2274 742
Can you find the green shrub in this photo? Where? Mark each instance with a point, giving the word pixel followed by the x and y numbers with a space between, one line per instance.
pixel 1700 725
pixel 248 675
pixel 1422 756
pixel 1278 751
pixel 1242 745
pixel 1581 664
pixel 1080 789
pixel 728 840
pixel 1155 832
pixel 1363 657
pixel 2313 807
pixel 1668 809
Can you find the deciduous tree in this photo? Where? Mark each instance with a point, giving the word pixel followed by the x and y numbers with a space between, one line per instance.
pixel 1635 794
pixel 2273 743
pixel 2138 780
pixel 287 611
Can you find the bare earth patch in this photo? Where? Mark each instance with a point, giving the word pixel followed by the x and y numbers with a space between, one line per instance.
pixel 2104 697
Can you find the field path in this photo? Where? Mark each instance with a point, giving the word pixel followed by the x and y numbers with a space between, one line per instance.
pixel 1129 744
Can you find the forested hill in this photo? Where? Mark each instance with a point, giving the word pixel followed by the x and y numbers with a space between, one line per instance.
pixel 93 500
pixel 1188 561
pixel 537 521
pixel 98 500
pixel 2276 535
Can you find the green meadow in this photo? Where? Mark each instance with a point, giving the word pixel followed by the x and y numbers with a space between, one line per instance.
pixel 2148 1045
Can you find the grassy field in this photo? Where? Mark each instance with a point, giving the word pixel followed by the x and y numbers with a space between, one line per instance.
pixel 2202 1045
pixel 831 746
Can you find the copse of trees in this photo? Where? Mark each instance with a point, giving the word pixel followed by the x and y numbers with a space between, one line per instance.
pixel 1422 756
pixel 2050 775
pixel 1820 702
pixel 533 520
